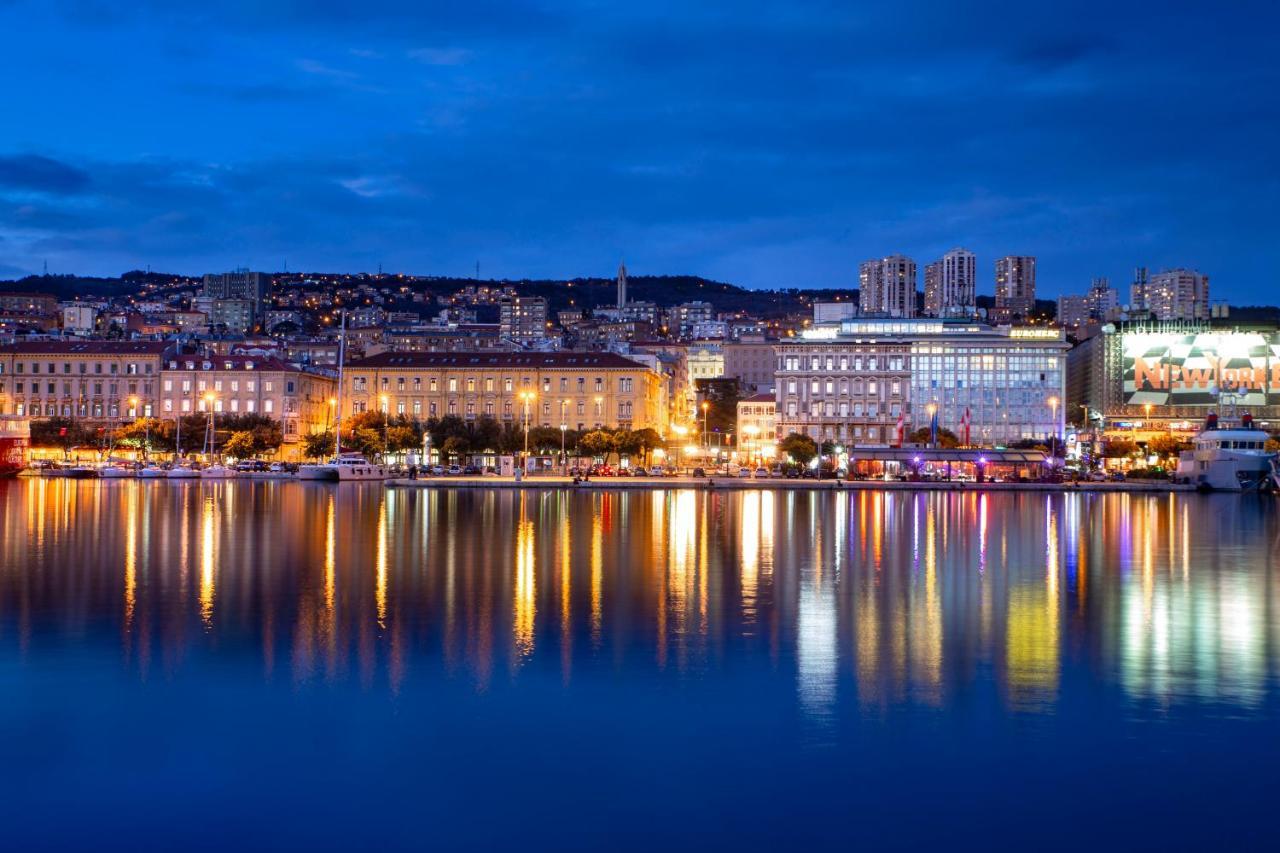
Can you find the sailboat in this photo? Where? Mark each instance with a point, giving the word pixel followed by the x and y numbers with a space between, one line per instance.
pixel 343 467
pixel 179 471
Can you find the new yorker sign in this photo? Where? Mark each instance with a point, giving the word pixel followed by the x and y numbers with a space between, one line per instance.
pixel 1196 369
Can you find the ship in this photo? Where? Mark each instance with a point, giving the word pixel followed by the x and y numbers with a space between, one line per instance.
pixel 15 436
pixel 1228 459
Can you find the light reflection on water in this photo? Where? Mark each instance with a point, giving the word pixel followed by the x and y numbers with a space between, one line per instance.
pixel 876 598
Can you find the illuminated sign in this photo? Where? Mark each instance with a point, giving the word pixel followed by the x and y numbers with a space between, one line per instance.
pixel 820 334
pixel 1198 370
pixel 1036 334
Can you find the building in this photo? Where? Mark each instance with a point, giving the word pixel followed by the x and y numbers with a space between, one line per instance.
pixel 1015 287
pixel 1178 294
pixel 751 362
pixel 705 361
pixel 950 285
pixel 757 426
pixel 888 287
pixel 42 304
pixel 1170 376
pixel 1138 291
pixel 849 382
pixel 79 318
pixel 622 286
pixel 834 312
pixel 81 379
pixel 581 390
pixel 249 385
pixel 226 316
pixel 254 287
pixel 1073 311
pixel 683 317
pixel 523 319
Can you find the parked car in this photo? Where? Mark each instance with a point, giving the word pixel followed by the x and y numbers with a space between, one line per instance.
pixel 471 471
pixel 792 473
pixel 277 468
pixel 762 473
pixel 1118 477
pixel 455 470
pixel 437 470
pixel 639 471
pixel 743 472
pixel 698 472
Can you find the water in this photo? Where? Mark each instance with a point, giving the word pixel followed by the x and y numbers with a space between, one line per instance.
pixel 198 665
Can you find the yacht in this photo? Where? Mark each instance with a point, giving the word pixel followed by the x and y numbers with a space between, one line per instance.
pixel 1228 459
pixel 183 472
pixel 218 471
pixel 151 472
pixel 345 467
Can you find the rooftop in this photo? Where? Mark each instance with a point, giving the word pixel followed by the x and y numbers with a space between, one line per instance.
pixel 529 360
pixel 73 347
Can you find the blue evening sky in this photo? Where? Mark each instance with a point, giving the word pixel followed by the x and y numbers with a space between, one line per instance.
pixel 768 144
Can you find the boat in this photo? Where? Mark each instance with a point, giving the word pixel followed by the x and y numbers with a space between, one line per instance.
pixel 343 467
pixel 217 471
pixel 151 472
pixel 78 472
pixel 15 434
pixel 183 472
pixel 116 470
pixel 1228 459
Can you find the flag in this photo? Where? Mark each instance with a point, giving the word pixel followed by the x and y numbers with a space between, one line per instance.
pixel 901 426
pixel 933 428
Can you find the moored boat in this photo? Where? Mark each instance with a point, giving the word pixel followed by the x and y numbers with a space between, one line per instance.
pixel 1230 459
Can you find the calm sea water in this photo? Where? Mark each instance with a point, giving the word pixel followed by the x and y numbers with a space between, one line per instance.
pixel 252 665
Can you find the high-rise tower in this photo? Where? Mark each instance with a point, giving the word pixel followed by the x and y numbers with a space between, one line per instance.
pixel 622 286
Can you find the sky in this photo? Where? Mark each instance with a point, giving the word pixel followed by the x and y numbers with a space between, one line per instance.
pixel 764 144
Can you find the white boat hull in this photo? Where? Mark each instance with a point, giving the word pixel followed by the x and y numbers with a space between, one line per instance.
pixel 183 474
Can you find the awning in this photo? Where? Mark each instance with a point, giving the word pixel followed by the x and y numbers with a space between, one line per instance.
pixel 957 454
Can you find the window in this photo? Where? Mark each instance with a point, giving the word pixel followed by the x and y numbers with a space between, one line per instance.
pixel 599 383
pixel 624 385
pixel 506 385
pixel 453 385
pixel 268 406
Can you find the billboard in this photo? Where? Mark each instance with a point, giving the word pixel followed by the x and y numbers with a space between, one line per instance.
pixel 1196 369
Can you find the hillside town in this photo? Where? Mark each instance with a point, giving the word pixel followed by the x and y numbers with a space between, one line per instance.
pixel 615 376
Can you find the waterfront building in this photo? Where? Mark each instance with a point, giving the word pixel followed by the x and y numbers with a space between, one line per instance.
pixel 757 426
pixel 244 385
pixel 705 361
pixel 81 379
pixel 887 286
pixel 849 382
pixel 1015 287
pixel 581 390
pixel 1159 377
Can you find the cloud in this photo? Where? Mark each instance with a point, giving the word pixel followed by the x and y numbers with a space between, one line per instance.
pixel 440 55
pixel 41 174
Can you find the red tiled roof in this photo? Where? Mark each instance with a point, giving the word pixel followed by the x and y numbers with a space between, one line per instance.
pixel 87 348
pixel 498 360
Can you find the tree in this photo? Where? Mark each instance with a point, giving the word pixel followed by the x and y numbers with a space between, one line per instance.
pixel 543 439
pixel 1119 448
pixel 60 432
pixel 1167 445
pixel 318 445
pixel 240 445
pixel 946 438
pixel 800 448
pixel 454 446
pixel 648 439
pixel 628 442
pixel 597 442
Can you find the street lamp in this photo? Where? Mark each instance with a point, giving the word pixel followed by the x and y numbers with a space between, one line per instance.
pixel 212 439
pixel 706 436
pixel 1053 444
pixel 527 397
pixel 146 441
pixel 386 426
pixel 564 431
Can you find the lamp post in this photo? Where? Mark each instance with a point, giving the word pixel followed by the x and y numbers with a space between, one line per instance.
pixel 564 431
pixel 706 436
pixel 526 397
pixel 386 426
pixel 1053 443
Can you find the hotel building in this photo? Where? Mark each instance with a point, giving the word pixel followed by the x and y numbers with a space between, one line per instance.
pixel 80 379
pixel 240 385
pixel 581 390
pixel 849 382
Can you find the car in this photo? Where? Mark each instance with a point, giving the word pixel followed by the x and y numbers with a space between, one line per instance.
pixel 744 472
pixel 455 470
pixel 246 465
pixel 698 472
pixel 437 470
pixel 761 473
pixel 1118 477
pixel 639 471
pixel 792 473
pixel 277 468
pixel 1098 476
pixel 471 471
